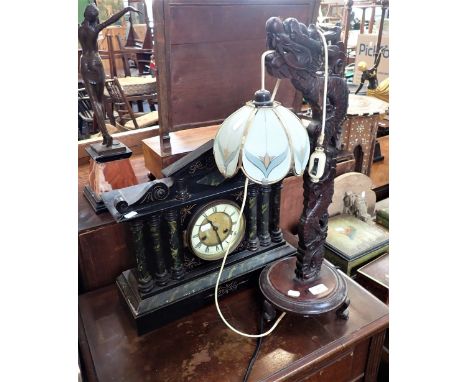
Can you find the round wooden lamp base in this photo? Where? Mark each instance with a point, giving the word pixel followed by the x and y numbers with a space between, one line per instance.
pixel 283 290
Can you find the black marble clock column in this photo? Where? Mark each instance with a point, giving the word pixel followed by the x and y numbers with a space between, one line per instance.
pixel 264 226
pixel 161 276
pixel 145 281
pixel 252 193
pixel 275 230
pixel 174 245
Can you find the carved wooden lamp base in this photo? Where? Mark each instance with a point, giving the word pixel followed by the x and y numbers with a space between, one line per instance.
pixel 284 291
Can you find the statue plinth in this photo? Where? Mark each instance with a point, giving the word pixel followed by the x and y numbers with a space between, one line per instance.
pixel 98 150
pixel 109 169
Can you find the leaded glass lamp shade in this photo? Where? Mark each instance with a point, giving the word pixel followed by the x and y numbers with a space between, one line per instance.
pixel 264 139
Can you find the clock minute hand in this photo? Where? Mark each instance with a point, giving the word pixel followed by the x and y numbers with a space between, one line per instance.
pixel 216 232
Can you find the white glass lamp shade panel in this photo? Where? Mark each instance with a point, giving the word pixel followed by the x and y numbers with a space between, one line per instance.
pixel 266 155
pixel 228 140
pixel 298 137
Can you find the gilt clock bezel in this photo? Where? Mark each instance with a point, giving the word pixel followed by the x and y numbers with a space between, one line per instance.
pixel 238 238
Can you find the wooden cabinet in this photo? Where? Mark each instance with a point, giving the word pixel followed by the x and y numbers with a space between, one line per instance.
pixel 199 347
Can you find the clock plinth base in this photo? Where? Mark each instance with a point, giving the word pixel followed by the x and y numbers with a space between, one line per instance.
pixel 178 298
pixel 283 290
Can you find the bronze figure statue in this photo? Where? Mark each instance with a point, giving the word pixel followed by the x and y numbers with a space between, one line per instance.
pixel 299 56
pixel 374 89
pixel 92 70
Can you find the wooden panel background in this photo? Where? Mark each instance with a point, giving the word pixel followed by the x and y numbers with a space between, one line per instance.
pixel 208 56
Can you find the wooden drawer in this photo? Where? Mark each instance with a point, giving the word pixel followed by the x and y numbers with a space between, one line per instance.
pixel 347 367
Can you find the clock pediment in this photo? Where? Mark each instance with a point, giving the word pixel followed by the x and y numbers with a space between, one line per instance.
pixel 193 177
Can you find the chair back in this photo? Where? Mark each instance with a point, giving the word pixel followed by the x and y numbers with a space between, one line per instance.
pixel 85 109
pixel 120 101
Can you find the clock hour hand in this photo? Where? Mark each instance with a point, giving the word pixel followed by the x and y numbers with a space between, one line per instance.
pixel 216 232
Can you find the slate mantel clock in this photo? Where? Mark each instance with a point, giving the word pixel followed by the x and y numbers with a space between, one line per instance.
pixel 180 226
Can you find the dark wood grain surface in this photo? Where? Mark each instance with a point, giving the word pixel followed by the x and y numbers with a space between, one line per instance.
pixel 200 347
pixel 208 56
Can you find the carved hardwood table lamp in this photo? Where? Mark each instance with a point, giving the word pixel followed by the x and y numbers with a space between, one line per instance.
pixel 267 141
pixel 304 285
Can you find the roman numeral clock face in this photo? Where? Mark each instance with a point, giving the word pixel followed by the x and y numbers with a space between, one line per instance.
pixel 211 230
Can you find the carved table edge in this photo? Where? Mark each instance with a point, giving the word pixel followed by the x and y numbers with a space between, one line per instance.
pixel 318 358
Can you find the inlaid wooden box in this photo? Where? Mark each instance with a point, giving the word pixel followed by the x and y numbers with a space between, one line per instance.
pixel 351 243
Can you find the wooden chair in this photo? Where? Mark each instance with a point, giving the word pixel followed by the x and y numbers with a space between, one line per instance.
pixel 364 5
pixel 128 58
pixel 331 13
pixel 128 119
pixel 85 115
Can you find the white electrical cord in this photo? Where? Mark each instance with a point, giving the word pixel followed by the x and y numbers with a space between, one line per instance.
pixel 262 63
pixel 264 54
pixel 325 89
pixel 318 158
pixel 236 227
pixel 275 89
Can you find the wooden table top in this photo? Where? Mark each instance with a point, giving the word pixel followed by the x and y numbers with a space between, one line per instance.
pixel 363 104
pixel 200 347
pixel 143 80
pixel 134 86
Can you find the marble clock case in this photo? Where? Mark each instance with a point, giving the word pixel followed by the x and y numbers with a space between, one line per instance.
pixel 169 281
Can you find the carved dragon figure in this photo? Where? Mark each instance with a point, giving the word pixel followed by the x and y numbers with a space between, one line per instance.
pixel 299 56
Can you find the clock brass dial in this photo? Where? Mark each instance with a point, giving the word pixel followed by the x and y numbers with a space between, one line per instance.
pixel 211 229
